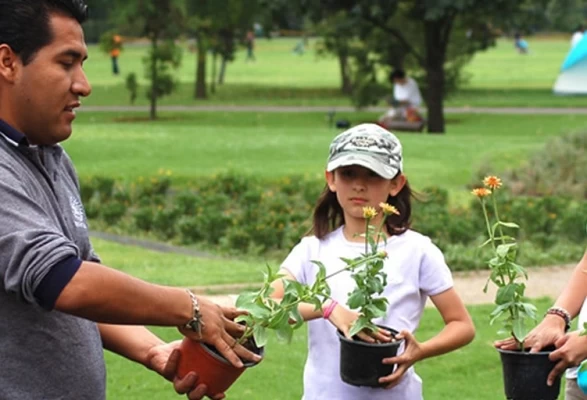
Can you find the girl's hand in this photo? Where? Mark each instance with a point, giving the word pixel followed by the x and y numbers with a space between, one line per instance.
pixel 571 351
pixel 412 353
pixel 343 318
pixel 551 329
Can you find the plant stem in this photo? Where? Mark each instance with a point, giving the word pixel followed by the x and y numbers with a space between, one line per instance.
pixel 487 224
pixel 354 265
pixel 497 217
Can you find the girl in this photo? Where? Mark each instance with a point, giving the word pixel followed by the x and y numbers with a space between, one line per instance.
pixel 365 169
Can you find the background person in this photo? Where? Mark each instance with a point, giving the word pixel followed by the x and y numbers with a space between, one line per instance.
pixel 406 100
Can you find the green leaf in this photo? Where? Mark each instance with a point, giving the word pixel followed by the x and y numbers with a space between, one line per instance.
pixel 356 300
pixel 519 329
pixel 505 294
pixel 278 319
pixel 285 333
pixel 294 315
pixel 260 335
pixel 509 224
pixel 245 299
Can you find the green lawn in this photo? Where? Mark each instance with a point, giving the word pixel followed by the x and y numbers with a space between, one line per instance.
pixel 499 77
pixel 471 373
pixel 273 144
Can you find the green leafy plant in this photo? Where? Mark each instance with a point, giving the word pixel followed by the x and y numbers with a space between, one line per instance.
pixel 266 313
pixel 512 307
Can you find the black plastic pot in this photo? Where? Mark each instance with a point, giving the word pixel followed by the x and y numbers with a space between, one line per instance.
pixel 360 362
pixel 524 375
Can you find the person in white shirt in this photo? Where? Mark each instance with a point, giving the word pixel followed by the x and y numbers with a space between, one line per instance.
pixel 406 100
pixel 577 36
pixel 365 169
pixel 571 347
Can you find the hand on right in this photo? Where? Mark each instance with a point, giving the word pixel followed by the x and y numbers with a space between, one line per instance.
pixel 547 333
pixel 220 331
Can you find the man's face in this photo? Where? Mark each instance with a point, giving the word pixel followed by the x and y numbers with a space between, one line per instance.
pixel 399 81
pixel 46 91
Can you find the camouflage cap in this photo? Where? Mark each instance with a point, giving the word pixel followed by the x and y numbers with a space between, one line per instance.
pixel 369 146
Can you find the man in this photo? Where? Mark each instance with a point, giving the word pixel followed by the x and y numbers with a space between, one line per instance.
pixel 58 305
pixel 406 100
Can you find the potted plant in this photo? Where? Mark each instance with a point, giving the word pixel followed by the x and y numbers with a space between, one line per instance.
pixel 524 373
pixel 263 313
pixel 360 362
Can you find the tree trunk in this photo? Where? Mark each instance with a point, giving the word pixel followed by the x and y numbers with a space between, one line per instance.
pixel 436 35
pixel 153 73
pixel 222 72
pixel 346 83
pixel 201 92
pixel 213 84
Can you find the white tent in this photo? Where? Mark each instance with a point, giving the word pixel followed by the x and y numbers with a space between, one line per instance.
pixel 573 75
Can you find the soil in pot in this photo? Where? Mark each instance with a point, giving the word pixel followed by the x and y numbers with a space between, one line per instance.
pixel 360 362
pixel 212 368
pixel 525 373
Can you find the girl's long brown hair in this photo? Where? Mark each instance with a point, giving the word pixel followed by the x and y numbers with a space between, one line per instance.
pixel 328 214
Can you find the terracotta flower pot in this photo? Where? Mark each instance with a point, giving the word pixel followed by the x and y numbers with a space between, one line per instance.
pixel 212 368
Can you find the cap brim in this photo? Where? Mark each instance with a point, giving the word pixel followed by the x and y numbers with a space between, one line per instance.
pixel 364 160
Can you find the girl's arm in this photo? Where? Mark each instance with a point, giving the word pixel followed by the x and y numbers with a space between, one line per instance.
pixel 341 317
pixel 458 327
pixel 458 331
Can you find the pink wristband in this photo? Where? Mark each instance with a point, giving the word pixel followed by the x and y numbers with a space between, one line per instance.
pixel 329 309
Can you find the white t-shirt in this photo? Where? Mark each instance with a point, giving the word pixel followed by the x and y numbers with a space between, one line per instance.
pixel 415 270
pixel 572 372
pixel 576 38
pixel 409 92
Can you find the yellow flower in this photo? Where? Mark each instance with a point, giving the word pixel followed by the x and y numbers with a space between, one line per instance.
pixel 481 192
pixel 492 182
pixel 388 209
pixel 369 212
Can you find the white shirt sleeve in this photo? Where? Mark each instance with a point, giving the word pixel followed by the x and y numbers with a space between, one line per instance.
pixel 298 262
pixel 435 276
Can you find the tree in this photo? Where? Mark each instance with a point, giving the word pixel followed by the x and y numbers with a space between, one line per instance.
pixel 161 21
pixel 217 26
pixel 420 33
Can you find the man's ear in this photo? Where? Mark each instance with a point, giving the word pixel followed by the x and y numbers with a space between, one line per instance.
pixel 397 184
pixel 330 180
pixel 9 63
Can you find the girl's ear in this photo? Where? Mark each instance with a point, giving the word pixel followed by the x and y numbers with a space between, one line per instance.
pixel 330 180
pixel 397 184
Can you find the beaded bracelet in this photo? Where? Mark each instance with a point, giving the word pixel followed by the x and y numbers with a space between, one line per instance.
pixel 561 312
pixel 330 309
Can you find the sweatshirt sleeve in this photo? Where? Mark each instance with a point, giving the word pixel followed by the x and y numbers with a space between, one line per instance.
pixel 30 242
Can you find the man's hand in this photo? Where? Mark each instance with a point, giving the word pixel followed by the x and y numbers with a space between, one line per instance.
pixel 164 359
pixel 220 331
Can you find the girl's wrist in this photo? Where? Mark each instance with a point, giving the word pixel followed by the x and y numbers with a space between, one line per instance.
pixel 327 311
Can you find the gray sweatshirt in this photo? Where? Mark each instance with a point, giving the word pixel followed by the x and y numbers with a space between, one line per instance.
pixel 45 354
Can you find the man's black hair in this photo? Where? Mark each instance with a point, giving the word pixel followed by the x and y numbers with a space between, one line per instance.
pixel 397 74
pixel 24 24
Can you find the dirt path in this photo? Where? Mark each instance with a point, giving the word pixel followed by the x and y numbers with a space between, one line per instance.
pixel 542 282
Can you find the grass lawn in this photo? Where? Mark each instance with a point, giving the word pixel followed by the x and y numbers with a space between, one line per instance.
pixel 471 373
pixel 274 145
pixel 498 77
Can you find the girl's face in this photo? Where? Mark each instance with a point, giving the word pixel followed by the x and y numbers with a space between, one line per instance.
pixel 357 187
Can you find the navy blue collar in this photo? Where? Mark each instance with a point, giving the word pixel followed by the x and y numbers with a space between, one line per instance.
pixel 13 134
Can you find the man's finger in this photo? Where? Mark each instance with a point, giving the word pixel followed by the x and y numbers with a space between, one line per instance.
pixel 170 368
pixel 231 312
pixel 185 384
pixel 198 393
pixel 234 329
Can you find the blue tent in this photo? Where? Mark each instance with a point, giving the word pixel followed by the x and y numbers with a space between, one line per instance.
pixel 573 75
